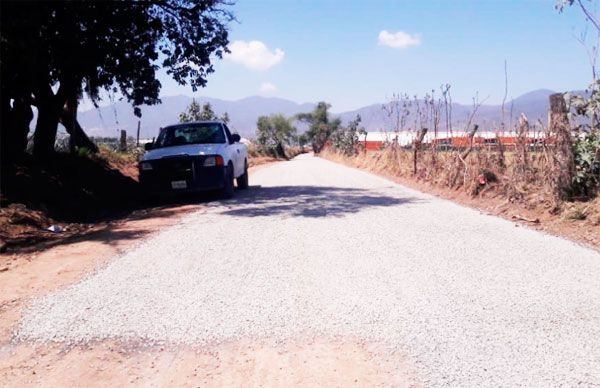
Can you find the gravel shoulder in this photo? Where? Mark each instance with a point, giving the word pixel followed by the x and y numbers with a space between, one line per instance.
pixel 320 252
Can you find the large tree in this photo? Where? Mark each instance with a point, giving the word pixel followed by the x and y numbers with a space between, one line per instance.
pixel 321 126
pixel 196 113
pixel 274 132
pixel 346 139
pixel 53 52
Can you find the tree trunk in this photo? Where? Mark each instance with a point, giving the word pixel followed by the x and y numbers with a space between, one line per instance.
pixel 68 119
pixel 280 151
pixel 22 116
pixel 15 128
pixel 45 130
pixel 78 136
pixel 416 146
pixel 49 106
pixel 470 136
pixel 463 157
pixel 563 160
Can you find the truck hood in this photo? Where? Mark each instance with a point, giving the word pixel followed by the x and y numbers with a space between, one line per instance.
pixel 188 149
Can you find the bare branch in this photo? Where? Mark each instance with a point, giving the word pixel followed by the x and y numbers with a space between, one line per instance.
pixel 589 15
pixel 505 94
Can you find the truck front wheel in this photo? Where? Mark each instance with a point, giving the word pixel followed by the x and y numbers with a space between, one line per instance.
pixel 242 181
pixel 227 191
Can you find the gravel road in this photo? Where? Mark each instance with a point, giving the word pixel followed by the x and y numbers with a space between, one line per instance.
pixel 319 249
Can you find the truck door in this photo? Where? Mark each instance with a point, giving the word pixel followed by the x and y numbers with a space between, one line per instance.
pixel 238 166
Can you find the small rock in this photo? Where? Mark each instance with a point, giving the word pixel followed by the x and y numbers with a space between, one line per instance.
pixel 55 229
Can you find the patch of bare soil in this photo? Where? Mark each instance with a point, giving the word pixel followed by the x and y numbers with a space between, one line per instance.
pixel 25 229
pixel 264 363
pixel 577 221
pixel 74 194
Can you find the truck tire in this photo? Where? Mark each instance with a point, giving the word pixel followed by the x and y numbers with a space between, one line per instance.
pixel 242 181
pixel 227 191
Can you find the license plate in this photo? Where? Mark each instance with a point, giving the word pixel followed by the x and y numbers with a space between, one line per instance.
pixel 179 184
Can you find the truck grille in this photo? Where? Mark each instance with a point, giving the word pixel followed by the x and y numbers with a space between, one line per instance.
pixel 171 169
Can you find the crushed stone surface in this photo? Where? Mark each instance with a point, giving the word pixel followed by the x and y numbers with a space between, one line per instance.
pixel 316 248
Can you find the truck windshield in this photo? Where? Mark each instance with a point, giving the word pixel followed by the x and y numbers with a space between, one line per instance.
pixel 193 133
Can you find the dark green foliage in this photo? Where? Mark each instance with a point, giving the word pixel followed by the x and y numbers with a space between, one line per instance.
pixel 321 126
pixel 346 139
pixel 274 133
pixel 586 147
pixel 53 51
pixel 303 140
pixel 586 181
pixel 195 113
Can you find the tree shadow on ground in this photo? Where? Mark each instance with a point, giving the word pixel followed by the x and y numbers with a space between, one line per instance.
pixel 257 201
pixel 308 201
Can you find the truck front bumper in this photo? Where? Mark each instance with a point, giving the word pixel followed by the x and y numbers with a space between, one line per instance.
pixel 181 174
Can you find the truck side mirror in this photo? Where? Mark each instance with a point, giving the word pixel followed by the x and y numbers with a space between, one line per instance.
pixel 236 138
pixel 148 146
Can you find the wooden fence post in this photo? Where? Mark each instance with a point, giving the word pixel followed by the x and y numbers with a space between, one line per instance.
pixel 563 163
pixel 123 141
pixel 522 143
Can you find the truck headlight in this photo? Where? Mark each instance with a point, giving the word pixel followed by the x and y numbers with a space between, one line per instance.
pixel 212 161
pixel 145 166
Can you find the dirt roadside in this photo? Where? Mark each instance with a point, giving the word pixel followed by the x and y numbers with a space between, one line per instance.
pixel 310 362
pixel 298 362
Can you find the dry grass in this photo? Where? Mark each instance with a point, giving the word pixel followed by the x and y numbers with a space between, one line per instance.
pixel 483 170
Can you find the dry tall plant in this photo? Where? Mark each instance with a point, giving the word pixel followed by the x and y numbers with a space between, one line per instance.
pixel 522 144
pixel 534 169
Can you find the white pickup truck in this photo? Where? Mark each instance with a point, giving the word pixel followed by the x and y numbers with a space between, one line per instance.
pixel 195 156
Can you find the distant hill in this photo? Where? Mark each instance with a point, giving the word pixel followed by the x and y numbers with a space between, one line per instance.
pixel 106 121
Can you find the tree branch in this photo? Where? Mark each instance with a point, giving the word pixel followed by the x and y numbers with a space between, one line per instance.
pixel 588 14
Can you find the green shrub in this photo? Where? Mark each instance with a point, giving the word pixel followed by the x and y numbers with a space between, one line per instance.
pixel 84 152
pixel 586 181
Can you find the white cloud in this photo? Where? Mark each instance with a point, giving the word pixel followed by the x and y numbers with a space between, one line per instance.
pixel 398 39
pixel 267 87
pixel 254 54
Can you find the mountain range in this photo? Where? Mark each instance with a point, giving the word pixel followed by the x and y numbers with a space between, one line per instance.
pixel 243 114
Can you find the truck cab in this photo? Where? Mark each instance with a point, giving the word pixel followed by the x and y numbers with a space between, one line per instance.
pixel 195 156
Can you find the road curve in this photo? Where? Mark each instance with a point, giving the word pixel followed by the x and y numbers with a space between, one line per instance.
pixel 315 248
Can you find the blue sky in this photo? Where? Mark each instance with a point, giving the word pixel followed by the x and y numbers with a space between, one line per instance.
pixel 330 50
